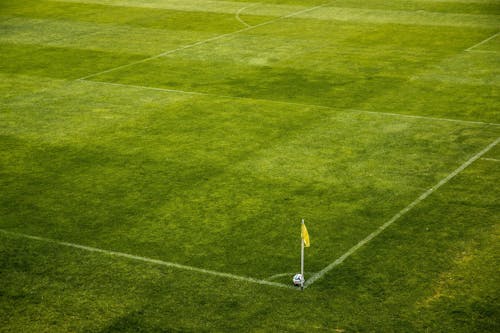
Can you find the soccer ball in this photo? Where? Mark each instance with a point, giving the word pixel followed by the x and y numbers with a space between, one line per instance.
pixel 298 279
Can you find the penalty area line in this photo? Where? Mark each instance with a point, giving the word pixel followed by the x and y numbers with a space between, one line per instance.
pixel 491 159
pixel 201 42
pixel 147 260
pixel 177 91
pixel 396 217
pixel 290 274
pixel 482 42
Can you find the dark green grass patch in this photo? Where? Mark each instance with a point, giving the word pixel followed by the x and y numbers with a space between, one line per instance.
pixel 415 277
pixel 46 61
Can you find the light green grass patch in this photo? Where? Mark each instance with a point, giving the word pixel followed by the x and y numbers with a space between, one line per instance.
pixel 92 36
pixel 378 16
pixel 467 68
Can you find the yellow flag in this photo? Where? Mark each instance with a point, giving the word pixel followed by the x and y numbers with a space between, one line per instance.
pixel 305 236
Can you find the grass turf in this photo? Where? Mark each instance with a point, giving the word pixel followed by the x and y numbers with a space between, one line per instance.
pixel 209 156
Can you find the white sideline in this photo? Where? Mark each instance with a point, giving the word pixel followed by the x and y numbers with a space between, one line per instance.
pixel 240 11
pixel 490 159
pixel 206 41
pixel 405 210
pixel 279 275
pixel 148 260
pixel 425 117
pixel 290 103
pixel 483 51
pixel 482 42
pixel 275 276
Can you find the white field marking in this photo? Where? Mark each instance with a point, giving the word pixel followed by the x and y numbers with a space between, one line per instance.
pixel 151 88
pixel 490 159
pixel 148 260
pixel 483 51
pixel 206 41
pixel 482 42
pixel 272 277
pixel 405 210
pixel 240 11
pixel 428 118
pixel 469 122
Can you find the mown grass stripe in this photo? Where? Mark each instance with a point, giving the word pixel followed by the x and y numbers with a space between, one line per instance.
pixel 403 17
pixel 207 41
pixel 206 6
pixel 104 37
pixel 335 11
pixel 396 217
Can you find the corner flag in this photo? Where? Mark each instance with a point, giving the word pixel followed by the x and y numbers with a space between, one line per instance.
pixel 304 242
pixel 305 235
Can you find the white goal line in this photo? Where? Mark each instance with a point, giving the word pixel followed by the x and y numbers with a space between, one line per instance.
pixel 148 260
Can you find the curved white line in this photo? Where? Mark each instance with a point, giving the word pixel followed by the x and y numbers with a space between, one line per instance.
pixel 240 11
pixel 188 46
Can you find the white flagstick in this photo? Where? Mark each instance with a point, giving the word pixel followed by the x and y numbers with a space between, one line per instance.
pixel 302 258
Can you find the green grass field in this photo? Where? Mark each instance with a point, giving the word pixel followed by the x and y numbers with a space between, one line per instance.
pixel 157 157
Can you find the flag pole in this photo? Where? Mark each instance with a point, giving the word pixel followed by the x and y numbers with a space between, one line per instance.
pixel 302 260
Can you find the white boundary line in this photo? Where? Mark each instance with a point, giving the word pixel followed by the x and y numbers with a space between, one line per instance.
pixel 290 103
pixel 490 159
pixel 272 277
pixel 427 118
pixel 240 11
pixel 483 51
pixel 405 210
pixel 206 41
pixel 148 260
pixel 482 42
pixel 278 275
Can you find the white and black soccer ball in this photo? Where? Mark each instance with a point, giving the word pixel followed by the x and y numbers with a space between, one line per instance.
pixel 298 279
